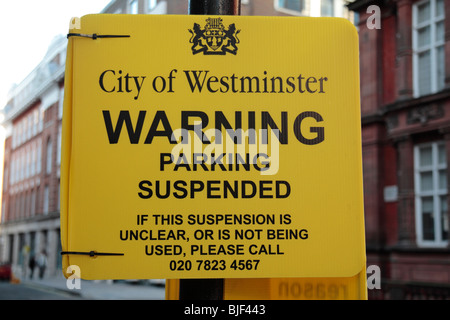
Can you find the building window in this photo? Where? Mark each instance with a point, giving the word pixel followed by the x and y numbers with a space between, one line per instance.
pixel 134 6
pixel 3 215
pixel 14 137
pixel 58 151
pixel 49 157
pixel 151 4
pixel 296 7
pixel 22 165
pixel 33 203
pixel 12 176
pixel 430 164
pixel 61 103
pixel 41 119
pixel 5 179
pixel 327 8
pixel 58 199
pixel 46 199
pixel 33 160
pixel 39 157
pixel 428 47
pixel 27 162
pixel 35 121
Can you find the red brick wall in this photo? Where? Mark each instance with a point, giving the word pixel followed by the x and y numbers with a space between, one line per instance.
pixel 18 196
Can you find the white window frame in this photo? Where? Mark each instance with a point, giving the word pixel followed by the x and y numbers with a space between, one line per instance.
pixel 304 12
pixel 436 193
pixel 432 47
pixel 130 6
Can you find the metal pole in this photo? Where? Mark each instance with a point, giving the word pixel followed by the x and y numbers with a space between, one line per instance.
pixel 207 289
pixel 215 7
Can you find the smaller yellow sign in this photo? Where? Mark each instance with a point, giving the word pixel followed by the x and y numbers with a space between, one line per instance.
pixel 348 288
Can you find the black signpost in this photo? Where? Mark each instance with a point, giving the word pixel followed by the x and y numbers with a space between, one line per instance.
pixel 215 7
pixel 207 289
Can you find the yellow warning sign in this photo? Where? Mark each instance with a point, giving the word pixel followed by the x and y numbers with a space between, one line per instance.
pixel 213 147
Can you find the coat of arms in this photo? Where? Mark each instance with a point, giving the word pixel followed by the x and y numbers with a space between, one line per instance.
pixel 214 38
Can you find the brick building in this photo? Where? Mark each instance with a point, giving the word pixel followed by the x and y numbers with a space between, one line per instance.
pixel 32 119
pixel 405 105
pixel 30 199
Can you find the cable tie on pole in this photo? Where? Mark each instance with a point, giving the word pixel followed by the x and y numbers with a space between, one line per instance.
pixel 92 253
pixel 95 36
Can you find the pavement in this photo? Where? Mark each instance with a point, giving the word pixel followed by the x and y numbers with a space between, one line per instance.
pixel 101 289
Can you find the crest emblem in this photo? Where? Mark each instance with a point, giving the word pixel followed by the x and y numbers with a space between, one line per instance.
pixel 214 39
